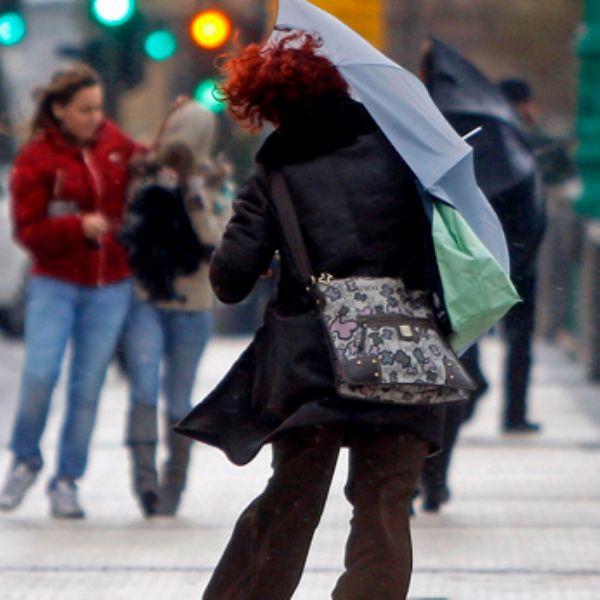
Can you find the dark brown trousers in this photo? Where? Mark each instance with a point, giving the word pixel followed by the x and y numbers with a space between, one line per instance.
pixel 265 557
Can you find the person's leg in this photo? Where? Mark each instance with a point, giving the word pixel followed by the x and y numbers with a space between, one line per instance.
pixel 99 319
pixel 50 312
pixel 143 344
pixel 187 334
pixel 267 551
pixel 383 473
pixel 470 361
pixel 519 326
pixel 49 320
pixel 435 472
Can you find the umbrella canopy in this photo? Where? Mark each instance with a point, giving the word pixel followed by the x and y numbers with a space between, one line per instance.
pixel 468 99
pixel 400 104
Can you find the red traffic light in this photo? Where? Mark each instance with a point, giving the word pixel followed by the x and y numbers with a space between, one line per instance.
pixel 210 29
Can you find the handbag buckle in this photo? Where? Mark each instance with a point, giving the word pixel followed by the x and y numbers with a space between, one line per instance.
pixel 325 278
pixel 406 332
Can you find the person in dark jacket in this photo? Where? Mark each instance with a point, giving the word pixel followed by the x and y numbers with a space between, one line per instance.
pixel 506 171
pixel 68 186
pixel 521 210
pixel 552 153
pixel 360 214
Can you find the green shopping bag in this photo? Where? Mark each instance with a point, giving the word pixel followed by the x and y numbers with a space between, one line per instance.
pixel 477 291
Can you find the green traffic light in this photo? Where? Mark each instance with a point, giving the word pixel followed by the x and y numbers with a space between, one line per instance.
pixel 205 95
pixel 12 28
pixel 160 44
pixel 112 13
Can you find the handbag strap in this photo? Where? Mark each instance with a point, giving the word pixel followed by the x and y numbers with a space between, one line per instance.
pixel 290 225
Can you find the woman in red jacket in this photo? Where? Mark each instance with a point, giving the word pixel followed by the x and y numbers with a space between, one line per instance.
pixel 68 188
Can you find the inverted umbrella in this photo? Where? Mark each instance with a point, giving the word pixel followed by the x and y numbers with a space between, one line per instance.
pixel 400 104
pixel 467 98
pixel 441 161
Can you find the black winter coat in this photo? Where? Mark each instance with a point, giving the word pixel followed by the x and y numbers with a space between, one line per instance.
pixel 360 214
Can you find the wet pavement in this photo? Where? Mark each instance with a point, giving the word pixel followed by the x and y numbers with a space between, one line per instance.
pixel 523 521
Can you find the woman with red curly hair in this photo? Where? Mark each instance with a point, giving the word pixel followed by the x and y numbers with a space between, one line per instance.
pixel 360 214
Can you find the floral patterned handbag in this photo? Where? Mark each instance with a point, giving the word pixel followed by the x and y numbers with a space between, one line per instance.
pixel 383 340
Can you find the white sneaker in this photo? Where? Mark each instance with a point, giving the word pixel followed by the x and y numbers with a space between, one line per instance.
pixel 64 503
pixel 19 479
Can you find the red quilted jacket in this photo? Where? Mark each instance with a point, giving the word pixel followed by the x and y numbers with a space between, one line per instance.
pixel 53 183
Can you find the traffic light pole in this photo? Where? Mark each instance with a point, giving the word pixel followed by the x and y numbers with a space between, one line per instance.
pixel 588 205
pixel 588 127
pixel 106 64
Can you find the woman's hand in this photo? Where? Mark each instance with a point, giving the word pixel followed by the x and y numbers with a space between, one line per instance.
pixel 94 225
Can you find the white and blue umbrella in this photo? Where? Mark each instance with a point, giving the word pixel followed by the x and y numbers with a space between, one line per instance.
pixel 400 104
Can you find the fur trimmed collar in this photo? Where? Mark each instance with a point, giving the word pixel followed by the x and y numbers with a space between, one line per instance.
pixel 324 127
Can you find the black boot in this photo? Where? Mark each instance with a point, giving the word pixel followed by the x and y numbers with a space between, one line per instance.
pixel 142 437
pixel 174 474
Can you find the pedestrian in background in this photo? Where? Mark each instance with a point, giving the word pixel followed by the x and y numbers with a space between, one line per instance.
pixel 507 173
pixel 360 212
pixel 169 322
pixel 523 214
pixel 69 185
pixel 552 153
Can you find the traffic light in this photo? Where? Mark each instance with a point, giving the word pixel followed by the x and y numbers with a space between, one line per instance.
pixel 160 44
pixel 206 94
pixel 13 26
pixel 210 29
pixel 112 13
pixel 117 51
pixel 209 32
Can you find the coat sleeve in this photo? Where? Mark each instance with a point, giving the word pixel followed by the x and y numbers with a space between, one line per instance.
pixel 248 244
pixel 134 153
pixel 31 192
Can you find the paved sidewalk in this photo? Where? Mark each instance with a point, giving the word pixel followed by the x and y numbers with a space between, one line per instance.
pixel 523 523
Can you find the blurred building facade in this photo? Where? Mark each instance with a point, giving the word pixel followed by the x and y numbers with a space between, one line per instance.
pixel 523 37
pixel 528 38
pixel 513 37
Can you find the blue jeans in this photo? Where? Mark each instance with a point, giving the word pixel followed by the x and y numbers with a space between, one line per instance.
pixel 179 337
pixel 92 318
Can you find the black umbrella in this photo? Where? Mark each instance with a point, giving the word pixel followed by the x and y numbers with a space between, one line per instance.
pixel 468 99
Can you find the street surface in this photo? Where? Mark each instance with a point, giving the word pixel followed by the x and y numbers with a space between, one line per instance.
pixel 523 522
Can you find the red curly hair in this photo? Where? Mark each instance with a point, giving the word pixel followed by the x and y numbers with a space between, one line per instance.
pixel 271 81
